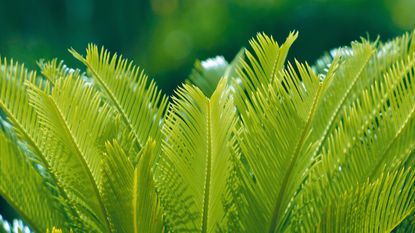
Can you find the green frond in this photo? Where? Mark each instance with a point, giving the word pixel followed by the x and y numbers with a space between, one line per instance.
pixel 72 119
pixel 196 159
pixel 15 104
pixel 139 102
pixel 265 62
pixel 53 70
pixel 276 137
pixel 25 189
pixel 26 128
pixel 128 191
pixel 377 206
pixel 361 65
pixel 147 215
pixel 374 135
pixel 341 90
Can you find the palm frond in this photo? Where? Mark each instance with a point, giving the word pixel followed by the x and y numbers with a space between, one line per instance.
pixel 41 208
pixel 129 193
pixel 139 102
pixel 363 209
pixel 15 104
pixel 72 119
pixel 341 90
pixel 261 146
pixel 23 119
pixel 374 135
pixel 276 137
pixel 53 70
pixel 363 65
pixel 267 60
pixel 196 159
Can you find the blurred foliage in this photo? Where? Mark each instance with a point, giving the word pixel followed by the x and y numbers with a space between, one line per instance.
pixel 165 37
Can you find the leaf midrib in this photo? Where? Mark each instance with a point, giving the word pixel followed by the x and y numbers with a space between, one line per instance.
pixel 38 152
pixel 135 199
pixel 113 98
pixel 395 138
pixel 208 171
pixel 287 176
pixel 83 162
pixel 339 107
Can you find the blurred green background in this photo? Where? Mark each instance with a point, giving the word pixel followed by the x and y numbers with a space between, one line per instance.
pixel 165 37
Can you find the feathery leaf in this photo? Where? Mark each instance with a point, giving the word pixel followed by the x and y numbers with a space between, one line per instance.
pixel 195 163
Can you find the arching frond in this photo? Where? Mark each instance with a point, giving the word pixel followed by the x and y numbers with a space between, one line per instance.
pixel 374 136
pixel 53 70
pixel 139 102
pixel 362 65
pixel 276 137
pixel 25 190
pixel 72 119
pixel 341 90
pixel 364 209
pixel 129 193
pixel 14 102
pixel 267 60
pixel 196 159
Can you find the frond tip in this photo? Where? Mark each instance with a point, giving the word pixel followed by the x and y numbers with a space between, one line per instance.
pixel 139 102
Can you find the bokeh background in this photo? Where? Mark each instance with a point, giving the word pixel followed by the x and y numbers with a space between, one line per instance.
pixel 165 37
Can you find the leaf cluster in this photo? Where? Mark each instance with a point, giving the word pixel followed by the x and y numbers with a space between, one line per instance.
pixel 255 145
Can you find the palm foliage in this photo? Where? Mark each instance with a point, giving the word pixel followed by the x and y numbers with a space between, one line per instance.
pixel 255 145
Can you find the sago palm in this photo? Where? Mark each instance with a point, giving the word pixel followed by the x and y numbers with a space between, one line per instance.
pixel 255 145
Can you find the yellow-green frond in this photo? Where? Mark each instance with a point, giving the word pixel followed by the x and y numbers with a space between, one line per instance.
pixel 374 135
pixel 129 193
pixel 378 206
pixel 53 70
pixel 196 159
pixel 14 102
pixel 276 142
pixel 72 119
pixel 139 102
pixel 267 59
pixel 25 189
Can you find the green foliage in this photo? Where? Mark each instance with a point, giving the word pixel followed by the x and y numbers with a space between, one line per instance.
pixel 255 145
